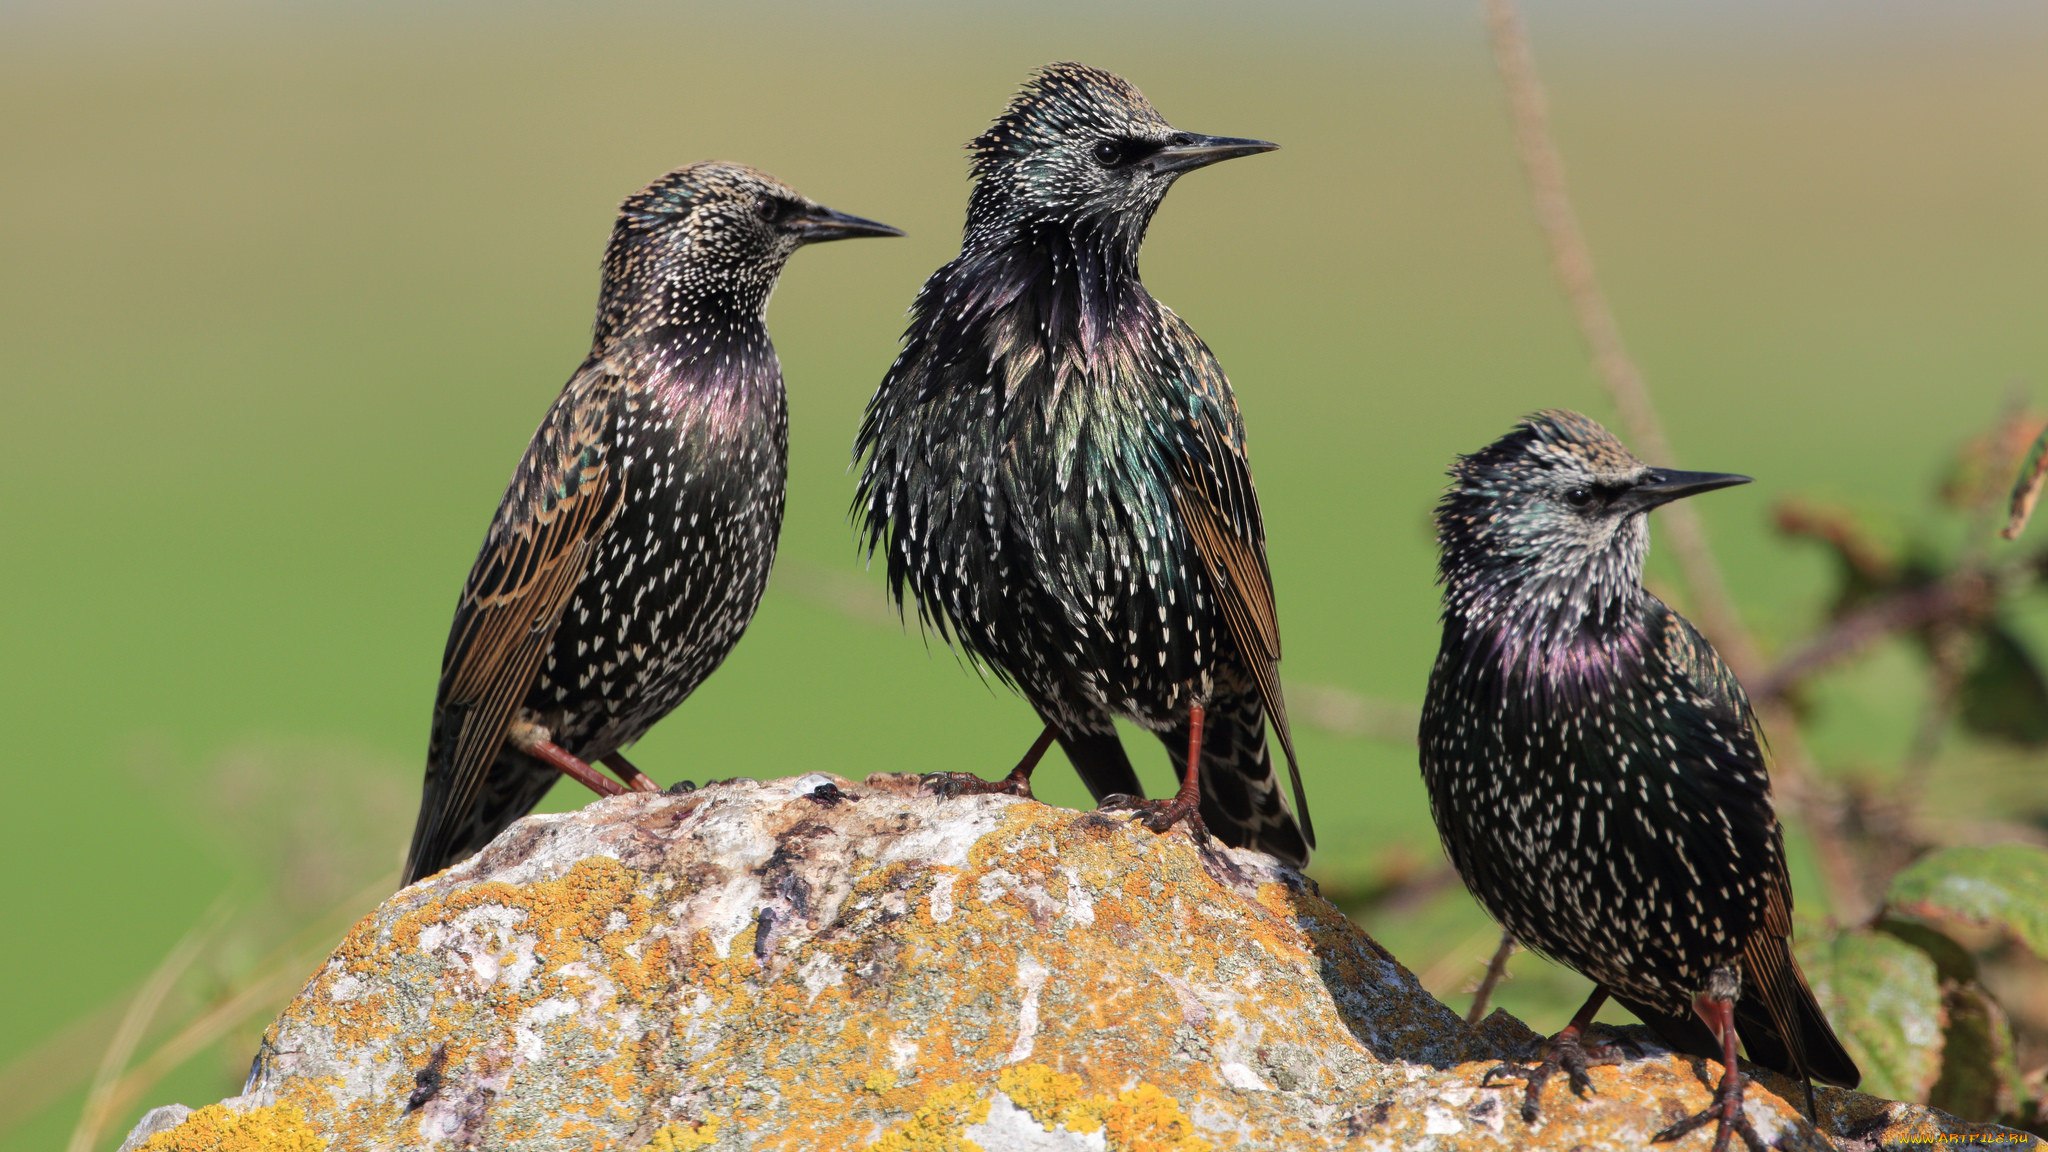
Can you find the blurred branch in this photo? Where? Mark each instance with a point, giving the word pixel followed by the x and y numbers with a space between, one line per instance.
pixel 1906 611
pixel 1573 260
pixel 1495 969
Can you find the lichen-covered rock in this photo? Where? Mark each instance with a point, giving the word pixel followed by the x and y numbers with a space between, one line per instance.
pixel 812 964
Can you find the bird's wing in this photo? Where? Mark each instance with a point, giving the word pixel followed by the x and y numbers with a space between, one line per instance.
pixel 1220 509
pixel 1790 1032
pixel 562 500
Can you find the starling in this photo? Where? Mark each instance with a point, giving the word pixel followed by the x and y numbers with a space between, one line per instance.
pixel 1055 470
pixel 1596 772
pixel 635 540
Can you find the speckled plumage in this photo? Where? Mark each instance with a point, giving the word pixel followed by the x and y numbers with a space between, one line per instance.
pixel 1593 767
pixel 1054 468
pixel 635 540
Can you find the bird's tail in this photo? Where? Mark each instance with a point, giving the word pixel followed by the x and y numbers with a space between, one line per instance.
pixel 1241 799
pixel 1100 760
pixel 1793 1035
pixel 443 836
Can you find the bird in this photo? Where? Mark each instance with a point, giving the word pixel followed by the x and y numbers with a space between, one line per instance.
pixel 1597 774
pixel 634 541
pixel 1055 469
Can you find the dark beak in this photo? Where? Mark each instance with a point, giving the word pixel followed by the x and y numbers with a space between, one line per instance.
pixel 822 223
pixel 1187 152
pixel 1661 486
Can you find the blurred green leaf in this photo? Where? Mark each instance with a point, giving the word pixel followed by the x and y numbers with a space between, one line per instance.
pixel 1884 998
pixel 2002 886
pixel 1953 963
pixel 2005 694
pixel 1980 1077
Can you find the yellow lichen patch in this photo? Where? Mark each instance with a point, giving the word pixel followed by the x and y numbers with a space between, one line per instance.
pixel 1139 1119
pixel 939 1125
pixel 1054 1099
pixel 280 1128
pixel 577 907
pixel 684 1137
pixel 1144 1119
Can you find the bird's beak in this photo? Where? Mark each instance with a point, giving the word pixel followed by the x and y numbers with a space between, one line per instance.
pixel 822 223
pixel 1661 486
pixel 1187 152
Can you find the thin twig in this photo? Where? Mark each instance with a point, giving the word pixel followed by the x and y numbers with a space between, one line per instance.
pixel 1573 261
pixel 1454 963
pixel 100 1097
pixel 1495 969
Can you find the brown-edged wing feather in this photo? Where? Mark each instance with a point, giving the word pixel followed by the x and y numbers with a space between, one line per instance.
pixel 1220 510
pixel 562 500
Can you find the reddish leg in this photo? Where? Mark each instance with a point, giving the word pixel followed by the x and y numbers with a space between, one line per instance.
pixel 1017 783
pixel 1565 1052
pixel 623 768
pixel 1726 1111
pixel 1186 805
pixel 538 743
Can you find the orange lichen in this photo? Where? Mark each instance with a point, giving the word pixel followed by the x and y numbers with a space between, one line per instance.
pixel 214 1128
pixel 1102 978
pixel 1144 1119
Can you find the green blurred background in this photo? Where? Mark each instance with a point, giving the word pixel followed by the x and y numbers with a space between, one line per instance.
pixel 285 288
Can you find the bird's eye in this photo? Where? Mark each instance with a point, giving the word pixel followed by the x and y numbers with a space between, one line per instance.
pixel 1579 497
pixel 1108 153
pixel 773 209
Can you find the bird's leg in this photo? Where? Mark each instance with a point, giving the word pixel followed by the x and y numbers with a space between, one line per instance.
pixel 1718 1013
pixel 1186 804
pixel 1565 1052
pixel 623 768
pixel 1017 783
pixel 536 742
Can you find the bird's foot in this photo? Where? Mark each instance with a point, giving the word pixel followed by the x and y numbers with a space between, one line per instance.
pixel 1725 1113
pixel 1566 1052
pixel 952 784
pixel 1160 815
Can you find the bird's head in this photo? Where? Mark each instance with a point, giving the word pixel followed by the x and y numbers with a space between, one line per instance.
pixel 1081 148
pixel 1552 514
pixel 707 238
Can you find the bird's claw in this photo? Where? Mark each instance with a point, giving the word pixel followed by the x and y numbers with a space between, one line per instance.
pixel 1158 815
pixel 1725 1113
pixel 951 784
pixel 1564 1053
